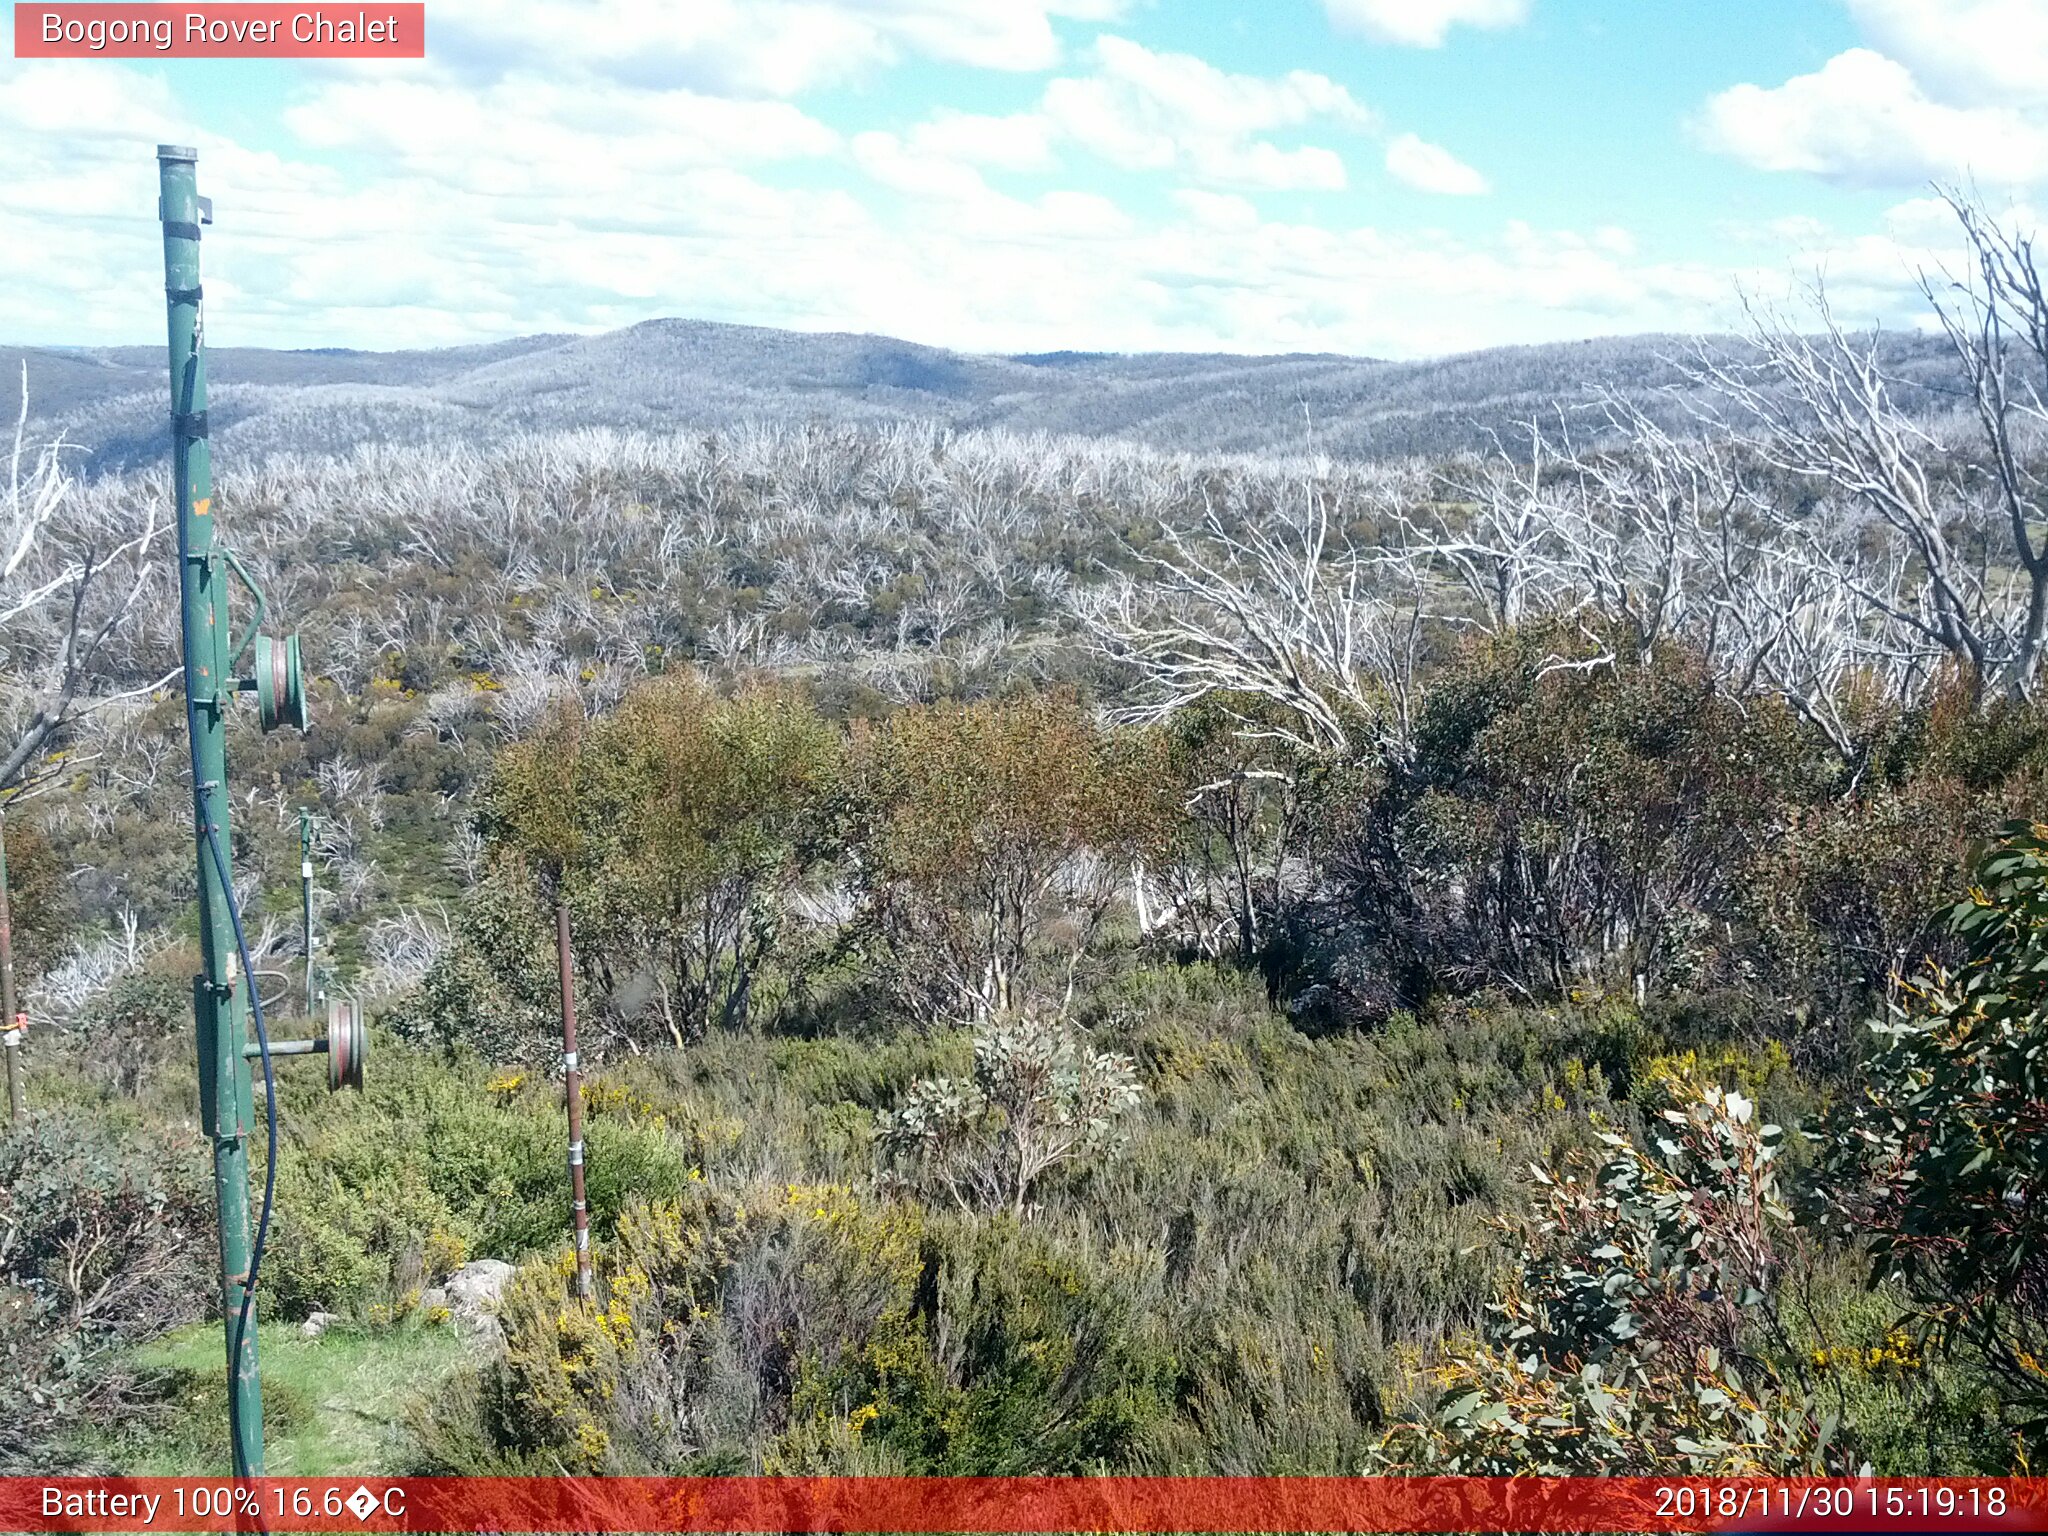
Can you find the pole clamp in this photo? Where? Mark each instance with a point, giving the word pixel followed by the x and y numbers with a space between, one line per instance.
pixel 188 426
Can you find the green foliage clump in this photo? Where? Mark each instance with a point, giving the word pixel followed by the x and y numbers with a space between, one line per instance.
pixel 1939 1162
pixel 380 1193
pixel 1039 1097
pixel 41 896
pixel 1638 1334
pixel 990 842
pixel 704 816
pixel 1035 1358
pixel 1243 816
pixel 102 1246
pixel 807 1329
pixel 494 989
pixel 676 829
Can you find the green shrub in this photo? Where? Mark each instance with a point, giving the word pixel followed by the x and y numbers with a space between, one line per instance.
pixel 103 1244
pixel 1040 1361
pixel 1938 1164
pixel 431 1160
pixel 494 990
pixel 1039 1098
pixel 807 1329
pixel 991 841
pixel 1639 1336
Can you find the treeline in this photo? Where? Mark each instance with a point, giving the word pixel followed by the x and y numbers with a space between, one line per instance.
pixel 662 376
pixel 1559 832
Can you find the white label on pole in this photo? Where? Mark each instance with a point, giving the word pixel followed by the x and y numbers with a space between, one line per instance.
pixel 305 869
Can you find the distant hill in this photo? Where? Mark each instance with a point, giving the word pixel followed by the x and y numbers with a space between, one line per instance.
pixel 668 374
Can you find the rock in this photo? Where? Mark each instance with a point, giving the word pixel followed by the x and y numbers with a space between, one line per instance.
pixel 317 1324
pixel 477 1286
pixel 471 1297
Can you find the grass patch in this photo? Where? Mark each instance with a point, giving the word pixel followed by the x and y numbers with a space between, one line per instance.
pixel 330 1405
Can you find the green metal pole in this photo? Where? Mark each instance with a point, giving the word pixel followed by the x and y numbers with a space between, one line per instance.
pixel 17 1097
pixel 218 1002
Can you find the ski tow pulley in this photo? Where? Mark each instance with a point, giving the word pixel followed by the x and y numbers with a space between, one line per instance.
pixel 348 1046
pixel 280 683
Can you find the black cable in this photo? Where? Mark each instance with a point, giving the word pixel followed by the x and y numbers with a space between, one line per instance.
pixel 201 792
pixel 211 835
pixel 220 865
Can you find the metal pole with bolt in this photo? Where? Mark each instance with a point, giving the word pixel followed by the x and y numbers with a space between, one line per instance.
pixel 218 1002
pixel 11 1023
pixel 572 1086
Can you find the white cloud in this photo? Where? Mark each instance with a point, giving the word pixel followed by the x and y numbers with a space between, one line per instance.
pixel 84 99
pixel 1866 273
pixel 399 208
pixel 1422 23
pixel 894 164
pixel 472 238
pixel 1964 49
pixel 562 126
pixel 1863 118
pixel 1432 168
pixel 1143 110
pixel 749 47
pixel 1019 142
pixel 1217 210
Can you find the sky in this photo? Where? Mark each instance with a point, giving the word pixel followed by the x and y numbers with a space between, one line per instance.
pixel 1396 178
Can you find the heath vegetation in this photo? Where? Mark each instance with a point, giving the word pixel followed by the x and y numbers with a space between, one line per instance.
pixel 1095 958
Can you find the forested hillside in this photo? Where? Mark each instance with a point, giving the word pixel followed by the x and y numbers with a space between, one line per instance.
pixel 666 374
pixel 1090 957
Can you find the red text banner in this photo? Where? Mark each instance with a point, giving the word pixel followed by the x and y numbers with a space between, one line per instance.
pixel 1029 1504
pixel 220 31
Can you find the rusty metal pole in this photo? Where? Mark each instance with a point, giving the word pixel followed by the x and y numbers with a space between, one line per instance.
pixel 572 1087
pixel 10 1024
pixel 306 909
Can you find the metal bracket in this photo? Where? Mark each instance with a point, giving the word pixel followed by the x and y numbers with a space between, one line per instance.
pixel 248 639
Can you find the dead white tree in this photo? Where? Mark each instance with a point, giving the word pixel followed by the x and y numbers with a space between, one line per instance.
pixel 1492 535
pixel 1997 319
pixel 1964 519
pixel 72 568
pixel 1260 607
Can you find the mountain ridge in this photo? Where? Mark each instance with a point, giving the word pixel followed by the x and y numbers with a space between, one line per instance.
pixel 677 373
